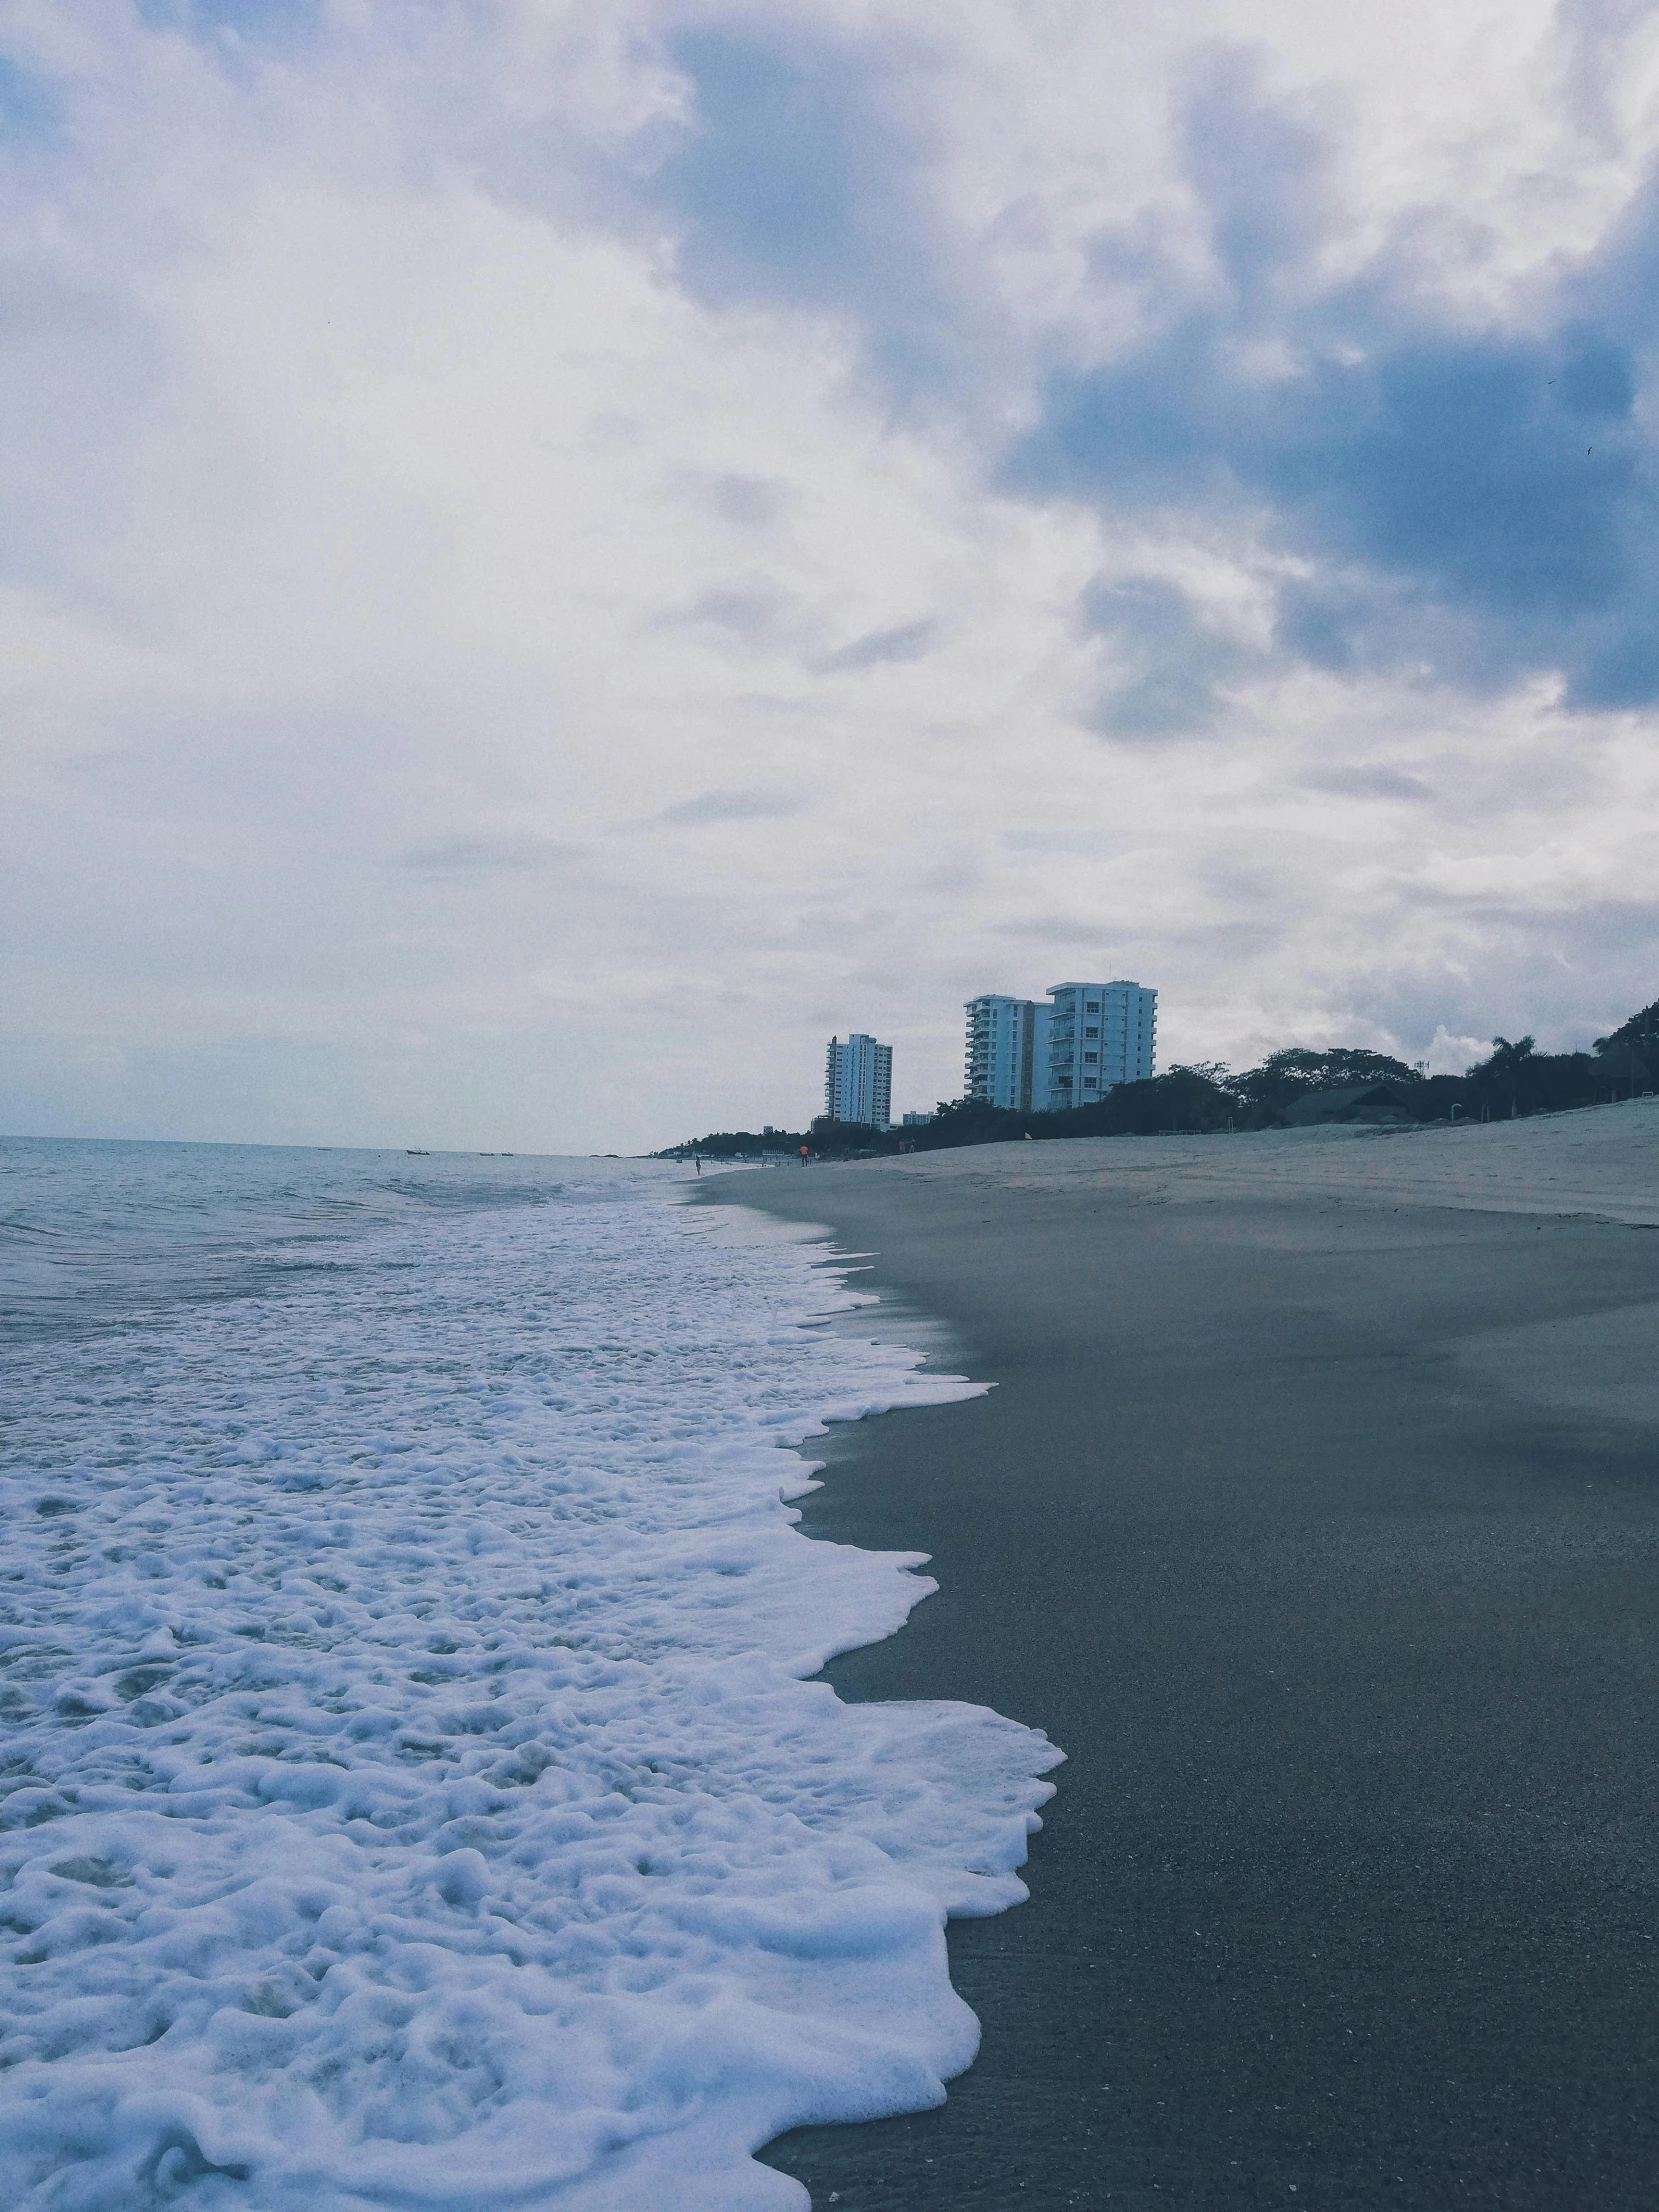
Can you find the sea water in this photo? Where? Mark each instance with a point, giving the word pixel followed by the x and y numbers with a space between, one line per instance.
pixel 413 1794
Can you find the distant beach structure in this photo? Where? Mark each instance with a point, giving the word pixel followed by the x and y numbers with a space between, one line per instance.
pixel 857 1081
pixel 1034 1058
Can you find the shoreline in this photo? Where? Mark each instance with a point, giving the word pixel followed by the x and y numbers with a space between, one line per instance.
pixel 1315 1517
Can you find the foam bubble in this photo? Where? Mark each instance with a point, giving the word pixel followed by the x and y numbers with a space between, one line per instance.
pixel 414 1794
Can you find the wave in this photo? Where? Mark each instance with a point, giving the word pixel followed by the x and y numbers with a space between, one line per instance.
pixel 416 1792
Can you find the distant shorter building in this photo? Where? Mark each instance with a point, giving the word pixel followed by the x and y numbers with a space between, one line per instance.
pixel 857 1081
pixel 917 1121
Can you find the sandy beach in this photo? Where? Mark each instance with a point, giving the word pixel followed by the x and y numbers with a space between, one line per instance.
pixel 1316 1514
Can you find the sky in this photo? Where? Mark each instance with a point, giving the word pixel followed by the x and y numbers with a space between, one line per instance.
pixel 555 555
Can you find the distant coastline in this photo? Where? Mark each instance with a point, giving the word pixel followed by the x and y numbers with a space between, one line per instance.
pixel 1292 1088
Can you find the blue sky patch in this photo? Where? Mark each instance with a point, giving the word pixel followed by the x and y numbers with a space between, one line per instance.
pixel 28 106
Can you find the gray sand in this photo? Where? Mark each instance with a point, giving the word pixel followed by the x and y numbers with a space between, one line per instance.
pixel 1317 1515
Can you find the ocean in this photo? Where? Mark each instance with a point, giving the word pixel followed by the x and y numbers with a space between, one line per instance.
pixel 411 1788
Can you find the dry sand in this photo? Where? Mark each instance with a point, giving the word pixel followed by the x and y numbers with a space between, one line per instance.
pixel 1602 1163
pixel 1317 1515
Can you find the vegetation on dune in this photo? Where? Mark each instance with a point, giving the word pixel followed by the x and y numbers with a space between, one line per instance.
pixel 737 1144
pixel 1285 1078
pixel 1292 1088
pixel 1640 1034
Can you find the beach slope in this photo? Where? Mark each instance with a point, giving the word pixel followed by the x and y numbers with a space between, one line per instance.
pixel 1316 1514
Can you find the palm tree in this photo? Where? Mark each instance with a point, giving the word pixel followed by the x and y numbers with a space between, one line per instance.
pixel 1507 1065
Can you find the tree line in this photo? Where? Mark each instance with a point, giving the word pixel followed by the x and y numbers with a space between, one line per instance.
pixel 1291 1088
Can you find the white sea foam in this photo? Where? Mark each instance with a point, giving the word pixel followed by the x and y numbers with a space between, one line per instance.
pixel 412 1797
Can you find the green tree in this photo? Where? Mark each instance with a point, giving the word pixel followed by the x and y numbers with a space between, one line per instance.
pixel 1293 1072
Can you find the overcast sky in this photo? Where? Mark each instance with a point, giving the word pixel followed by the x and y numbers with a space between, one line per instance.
pixel 553 555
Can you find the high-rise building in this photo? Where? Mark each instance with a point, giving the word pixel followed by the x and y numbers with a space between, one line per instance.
pixel 857 1081
pixel 1071 1052
pixel 1004 1036
pixel 1099 1036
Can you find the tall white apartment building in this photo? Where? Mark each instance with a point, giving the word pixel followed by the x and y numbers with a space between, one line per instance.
pixel 857 1081
pixel 1006 1042
pixel 1099 1036
pixel 999 1051
pixel 1071 1052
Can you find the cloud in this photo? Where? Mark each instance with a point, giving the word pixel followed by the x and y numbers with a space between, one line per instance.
pixel 1365 780
pixel 1450 1055
pixel 1478 502
pixel 467 468
pixel 755 614
pixel 751 501
pixel 910 641
pixel 1169 661
pixel 1455 500
pixel 758 616
pixel 732 805
pixel 799 178
pixel 27 107
pixel 1041 929
pixel 243 19
pixel 1082 843
pixel 491 855
pixel 1261 172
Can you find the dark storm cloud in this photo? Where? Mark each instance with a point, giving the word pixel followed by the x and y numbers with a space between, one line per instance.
pixel 797 181
pixel 1467 504
pixel 1170 664
pixel 1478 505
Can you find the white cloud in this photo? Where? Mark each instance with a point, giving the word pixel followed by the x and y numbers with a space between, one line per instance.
pixel 1450 1055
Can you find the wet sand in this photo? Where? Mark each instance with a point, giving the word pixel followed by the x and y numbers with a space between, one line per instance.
pixel 1316 1514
